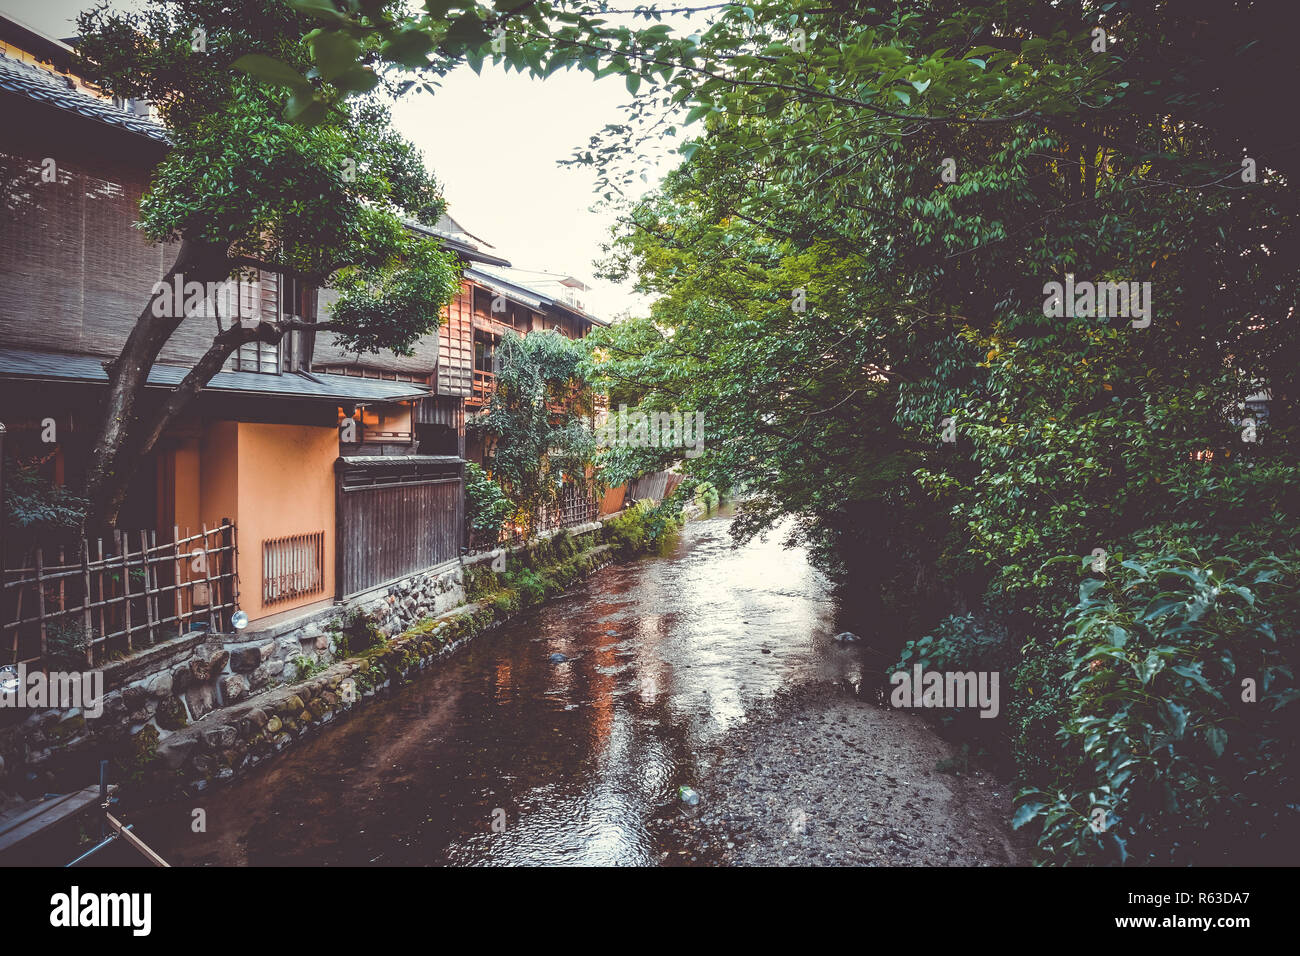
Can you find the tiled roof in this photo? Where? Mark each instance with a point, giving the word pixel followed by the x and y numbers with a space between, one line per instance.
pixel 35 83
pixel 458 242
pixel 513 284
pixel 26 364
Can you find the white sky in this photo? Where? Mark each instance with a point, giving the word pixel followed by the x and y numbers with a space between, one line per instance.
pixel 493 141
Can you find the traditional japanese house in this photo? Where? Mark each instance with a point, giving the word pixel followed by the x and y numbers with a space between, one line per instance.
pixel 328 474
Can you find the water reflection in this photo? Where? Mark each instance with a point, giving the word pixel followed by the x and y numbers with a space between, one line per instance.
pixel 571 759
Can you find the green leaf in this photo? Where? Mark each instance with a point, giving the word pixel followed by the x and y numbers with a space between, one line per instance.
pixel 466 30
pixel 633 81
pixel 321 9
pixel 304 107
pixel 410 47
pixel 1088 588
pixel 335 53
pixel 270 70
pixel 1217 739
pixel 1162 604
pixel 358 79
pixel 698 112
pixel 1025 813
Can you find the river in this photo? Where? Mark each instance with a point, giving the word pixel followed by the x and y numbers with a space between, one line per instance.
pixel 500 755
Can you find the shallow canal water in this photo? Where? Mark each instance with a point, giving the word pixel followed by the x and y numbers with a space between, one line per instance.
pixel 571 761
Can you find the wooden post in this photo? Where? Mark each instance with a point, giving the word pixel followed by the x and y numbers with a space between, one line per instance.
pixel 148 592
pixel 18 616
pixel 176 593
pixel 103 602
pixel 40 599
pixel 123 544
pixel 230 571
pixel 88 621
pixel 63 593
pixel 207 573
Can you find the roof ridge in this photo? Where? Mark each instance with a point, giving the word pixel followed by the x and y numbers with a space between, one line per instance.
pixel 58 89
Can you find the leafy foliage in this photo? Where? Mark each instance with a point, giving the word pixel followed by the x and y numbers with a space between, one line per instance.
pixel 486 505
pixel 850 270
pixel 319 191
pixel 537 424
pixel 1182 709
pixel 36 509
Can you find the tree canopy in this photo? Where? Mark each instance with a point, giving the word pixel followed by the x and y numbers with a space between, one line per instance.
pixel 243 187
pixel 860 268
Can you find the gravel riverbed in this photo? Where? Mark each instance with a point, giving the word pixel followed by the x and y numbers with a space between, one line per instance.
pixel 821 777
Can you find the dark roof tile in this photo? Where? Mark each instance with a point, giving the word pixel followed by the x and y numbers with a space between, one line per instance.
pixel 27 364
pixel 35 83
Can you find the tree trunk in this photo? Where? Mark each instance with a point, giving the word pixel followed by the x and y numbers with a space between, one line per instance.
pixel 109 470
pixel 149 427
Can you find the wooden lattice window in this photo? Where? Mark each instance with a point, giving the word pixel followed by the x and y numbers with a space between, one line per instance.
pixel 293 566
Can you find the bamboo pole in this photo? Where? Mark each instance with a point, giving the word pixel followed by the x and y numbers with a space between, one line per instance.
pixel 207 573
pixel 89 621
pixel 176 594
pixel 18 616
pixel 148 592
pixel 123 543
pixel 40 598
pixel 103 603
pixel 231 569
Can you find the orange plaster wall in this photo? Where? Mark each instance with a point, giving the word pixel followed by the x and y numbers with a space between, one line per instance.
pixel 188 470
pixel 286 486
pixel 218 475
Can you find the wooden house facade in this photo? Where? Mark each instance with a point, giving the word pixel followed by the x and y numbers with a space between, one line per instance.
pixel 323 512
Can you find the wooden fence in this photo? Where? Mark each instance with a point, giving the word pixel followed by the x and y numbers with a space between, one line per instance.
pixel 112 597
pixel 576 506
pixel 657 485
pixel 397 515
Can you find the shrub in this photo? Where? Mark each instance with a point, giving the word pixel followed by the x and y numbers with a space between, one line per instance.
pixel 961 643
pixel 486 505
pixel 65 644
pixel 1161 759
pixel 531 586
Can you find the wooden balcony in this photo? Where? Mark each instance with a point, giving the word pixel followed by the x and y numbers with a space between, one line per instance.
pixel 481 391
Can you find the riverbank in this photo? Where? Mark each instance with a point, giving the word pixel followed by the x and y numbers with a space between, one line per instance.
pixel 819 776
pixel 563 735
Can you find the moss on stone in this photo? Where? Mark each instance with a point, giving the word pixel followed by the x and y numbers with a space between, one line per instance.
pixel 170 714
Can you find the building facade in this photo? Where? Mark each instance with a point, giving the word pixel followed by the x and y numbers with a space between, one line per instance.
pixel 340 472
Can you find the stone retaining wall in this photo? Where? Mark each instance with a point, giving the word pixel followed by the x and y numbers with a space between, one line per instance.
pixel 202 707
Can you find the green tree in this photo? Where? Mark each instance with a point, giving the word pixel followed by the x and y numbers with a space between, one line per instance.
pixel 537 425
pixel 242 187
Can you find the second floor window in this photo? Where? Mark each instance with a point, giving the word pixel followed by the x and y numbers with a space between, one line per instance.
pixel 275 297
pixel 256 357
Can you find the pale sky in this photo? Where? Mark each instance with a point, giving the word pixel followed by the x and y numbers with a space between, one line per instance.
pixel 493 141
